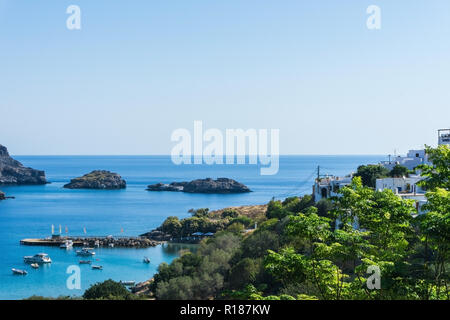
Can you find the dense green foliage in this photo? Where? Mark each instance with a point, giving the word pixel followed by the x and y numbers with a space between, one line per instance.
pixel 399 171
pixel 200 275
pixel 203 221
pixel 325 250
pixel 108 290
pixel 438 174
pixel 370 173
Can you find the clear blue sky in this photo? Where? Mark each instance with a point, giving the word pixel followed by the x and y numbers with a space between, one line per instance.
pixel 137 70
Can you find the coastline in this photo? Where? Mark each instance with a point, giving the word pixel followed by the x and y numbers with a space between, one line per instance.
pixel 133 209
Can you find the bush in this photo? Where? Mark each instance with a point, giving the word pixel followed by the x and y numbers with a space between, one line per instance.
pixel 244 273
pixel 370 173
pixel 236 227
pixel 109 290
pixel 256 245
pixel 245 221
pixel 199 275
pixel 230 213
pixel 172 226
pixel 296 204
pixel 275 210
pixel 399 171
pixel 323 207
pixel 200 213
pixel 269 225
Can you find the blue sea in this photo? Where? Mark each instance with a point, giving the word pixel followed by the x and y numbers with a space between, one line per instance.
pixel 127 212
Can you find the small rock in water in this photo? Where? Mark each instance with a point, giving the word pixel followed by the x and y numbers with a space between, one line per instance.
pixel 208 185
pixel 98 179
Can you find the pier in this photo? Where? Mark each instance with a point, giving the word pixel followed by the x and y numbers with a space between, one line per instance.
pixel 92 241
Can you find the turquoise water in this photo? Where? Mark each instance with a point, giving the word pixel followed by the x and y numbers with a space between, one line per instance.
pixel 132 210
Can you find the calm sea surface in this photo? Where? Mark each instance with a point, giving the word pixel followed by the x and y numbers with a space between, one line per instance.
pixel 132 210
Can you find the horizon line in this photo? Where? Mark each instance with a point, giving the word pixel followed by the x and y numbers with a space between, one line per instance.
pixel 168 155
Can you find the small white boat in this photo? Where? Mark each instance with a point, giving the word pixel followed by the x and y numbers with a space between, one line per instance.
pixel 37 258
pixel 35 265
pixel 97 267
pixel 18 271
pixel 85 252
pixel 128 283
pixel 68 244
pixel 146 260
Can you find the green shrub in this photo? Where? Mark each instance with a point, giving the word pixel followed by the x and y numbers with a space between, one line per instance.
pixel 230 213
pixel 108 290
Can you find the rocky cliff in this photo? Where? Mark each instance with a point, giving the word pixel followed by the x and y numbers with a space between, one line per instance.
pixel 98 179
pixel 12 172
pixel 220 185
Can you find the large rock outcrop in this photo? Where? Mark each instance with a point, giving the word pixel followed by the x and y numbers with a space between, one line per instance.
pixel 220 185
pixel 98 179
pixel 12 172
pixel 2 195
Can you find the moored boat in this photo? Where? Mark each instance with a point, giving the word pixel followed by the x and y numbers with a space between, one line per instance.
pixel 85 261
pixel 97 267
pixel 37 258
pixel 85 252
pixel 146 260
pixel 68 244
pixel 35 265
pixel 20 272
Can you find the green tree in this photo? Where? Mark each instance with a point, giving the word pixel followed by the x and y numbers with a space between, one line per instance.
pixel 172 226
pixel 200 213
pixel 324 206
pixel 286 266
pixel 235 227
pixel 386 220
pixel 275 209
pixel 230 213
pixel 370 173
pixel 244 273
pixel 256 245
pixel 435 229
pixel 399 171
pixel 108 290
pixel 244 220
pixel 438 174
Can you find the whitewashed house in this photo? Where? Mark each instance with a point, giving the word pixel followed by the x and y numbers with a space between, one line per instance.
pixel 416 157
pixel 410 161
pixel 329 186
pixel 406 188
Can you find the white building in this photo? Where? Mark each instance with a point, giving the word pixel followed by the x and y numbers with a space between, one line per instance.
pixel 400 185
pixel 410 161
pixel 444 136
pixel 329 186
pixel 406 188
pixel 416 157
